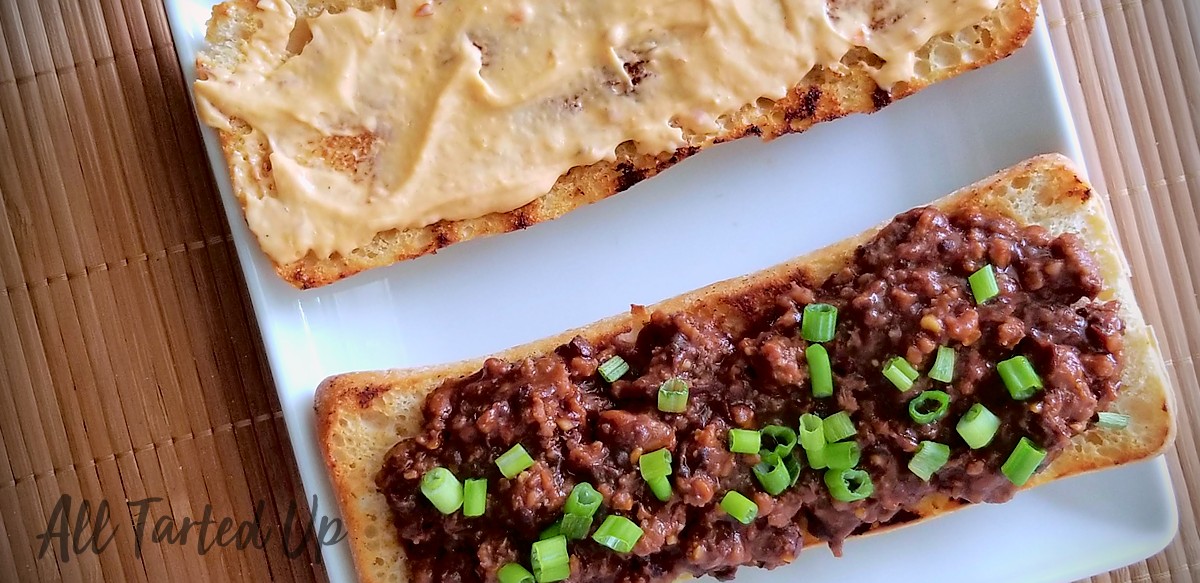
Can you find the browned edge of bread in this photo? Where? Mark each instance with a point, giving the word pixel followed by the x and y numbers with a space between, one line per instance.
pixel 361 415
pixel 822 95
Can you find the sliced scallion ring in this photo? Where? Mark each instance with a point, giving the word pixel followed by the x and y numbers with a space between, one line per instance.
pixel 442 489
pixel 820 372
pixel 816 458
pixel 778 439
pixel 930 457
pixel 514 573
pixel 978 426
pixel 514 461
pixel 1023 461
pixel 613 369
pixel 772 474
pixel 849 485
pixel 673 396
pixel 819 322
pixel 550 560
pixel 661 488
pixel 575 526
pixel 842 456
pixel 744 441
pixel 474 497
pixel 1019 377
pixel 900 373
pixel 656 464
pixel 583 500
pixel 741 508
pixel 618 533
pixel 943 365
pixel 812 432
pixel 983 284
pixel 838 427
pixel 929 406
pixel 794 464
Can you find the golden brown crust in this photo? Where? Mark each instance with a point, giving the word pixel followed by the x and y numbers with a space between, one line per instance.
pixel 822 95
pixel 1044 191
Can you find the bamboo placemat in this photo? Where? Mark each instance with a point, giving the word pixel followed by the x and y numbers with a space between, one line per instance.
pixel 130 365
pixel 128 354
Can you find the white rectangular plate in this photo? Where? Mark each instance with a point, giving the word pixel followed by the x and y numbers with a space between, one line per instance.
pixel 728 211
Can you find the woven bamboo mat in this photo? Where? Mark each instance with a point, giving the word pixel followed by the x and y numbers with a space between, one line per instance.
pixel 130 366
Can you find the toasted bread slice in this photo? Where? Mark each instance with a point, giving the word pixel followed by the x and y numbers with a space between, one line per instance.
pixel 361 415
pixel 821 95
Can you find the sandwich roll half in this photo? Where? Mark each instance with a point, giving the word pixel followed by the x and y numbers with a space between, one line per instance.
pixel 956 354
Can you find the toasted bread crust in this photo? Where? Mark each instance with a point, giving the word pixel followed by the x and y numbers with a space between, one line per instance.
pixel 379 408
pixel 821 96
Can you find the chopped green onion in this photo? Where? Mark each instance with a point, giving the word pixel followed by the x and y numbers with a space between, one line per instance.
pixel 812 432
pixel 794 465
pixel 930 457
pixel 904 366
pixel 552 531
pixel 819 370
pixel 943 365
pixel 1019 377
pixel 673 396
pixel 474 497
pixel 744 441
pixel 583 500
pixel 897 377
pixel 983 284
pixel 783 438
pixel 550 560
pixel 838 427
pixel 772 474
pixel 1023 462
pixel 618 533
pixel 613 369
pixel 514 573
pixel 816 458
pixel 849 485
pixel 900 372
pixel 655 467
pixel 929 406
pixel 575 526
pixel 442 489
pixel 978 426
pixel 514 461
pixel 661 488
pixel 841 456
pixel 818 322
pixel 1110 420
pixel 656 464
pixel 741 508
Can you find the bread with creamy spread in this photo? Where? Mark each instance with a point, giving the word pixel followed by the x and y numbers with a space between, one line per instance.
pixel 360 416
pixel 821 95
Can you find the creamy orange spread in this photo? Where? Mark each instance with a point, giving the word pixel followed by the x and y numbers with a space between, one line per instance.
pixel 459 108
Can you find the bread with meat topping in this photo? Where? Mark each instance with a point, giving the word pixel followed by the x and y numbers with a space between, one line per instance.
pixel 360 416
pixel 821 95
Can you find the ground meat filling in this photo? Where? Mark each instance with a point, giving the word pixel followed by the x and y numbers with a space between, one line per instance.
pixel 905 293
